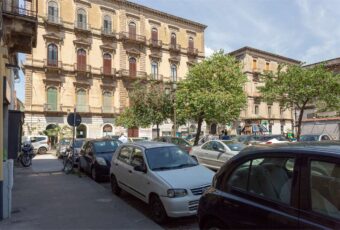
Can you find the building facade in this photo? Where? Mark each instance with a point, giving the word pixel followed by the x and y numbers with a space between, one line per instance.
pixel 90 53
pixel 258 113
pixel 315 122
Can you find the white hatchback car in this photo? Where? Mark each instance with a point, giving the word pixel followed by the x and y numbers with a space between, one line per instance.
pixel 162 175
pixel 39 142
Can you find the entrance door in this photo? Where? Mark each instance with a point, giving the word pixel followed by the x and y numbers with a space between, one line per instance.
pixel 133 132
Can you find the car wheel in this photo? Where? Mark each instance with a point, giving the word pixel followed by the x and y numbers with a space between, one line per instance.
pixel 158 211
pixel 214 224
pixel 42 150
pixel 94 174
pixel 114 186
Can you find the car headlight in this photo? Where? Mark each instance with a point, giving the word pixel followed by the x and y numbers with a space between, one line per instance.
pixel 101 161
pixel 172 193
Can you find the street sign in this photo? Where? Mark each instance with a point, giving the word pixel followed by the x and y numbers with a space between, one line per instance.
pixel 74 120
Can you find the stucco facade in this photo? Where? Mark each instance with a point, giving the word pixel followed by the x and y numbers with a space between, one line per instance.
pixel 67 68
pixel 275 119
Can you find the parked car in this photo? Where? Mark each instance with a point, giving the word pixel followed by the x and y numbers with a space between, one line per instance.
pixel 276 187
pixel 95 157
pixel 62 147
pixel 39 142
pixel 162 175
pixel 78 144
pixel 213 154
pixel 182 143
pixel 272 139
pixel 315 137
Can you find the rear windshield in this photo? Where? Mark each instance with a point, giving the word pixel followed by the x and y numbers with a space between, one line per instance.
pixel 106 146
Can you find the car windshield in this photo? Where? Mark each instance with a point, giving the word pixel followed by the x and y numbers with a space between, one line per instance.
pixel 168 158
pixel 106 146
pixel 234 146
pixel 78 143
pixel 309 138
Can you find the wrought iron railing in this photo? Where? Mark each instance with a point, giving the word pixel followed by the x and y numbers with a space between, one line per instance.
pixel 27 8
pixel 107 71
pixel 82 25
pixel 175 47
pixel 155 43
pixel 82 68
pixel 132 37
pixel 192 51
pixel 52 63
pixel 54 19
pixel 50 107
pixel 108 31
pixel 83 108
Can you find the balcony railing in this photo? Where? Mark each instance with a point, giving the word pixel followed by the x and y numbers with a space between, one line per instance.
pixel 50 107
pixel 132 74
pixel 107 71
pixel 108 32
pixel 54 64
pixel 155 77
pixel 82 68
pixel 83 108
pixel 108 109
pixel 53 19
pixel 175 47
pixel 132 37
pixel 26 8
pixel 192 51
pixel 155 43
pixel 82 26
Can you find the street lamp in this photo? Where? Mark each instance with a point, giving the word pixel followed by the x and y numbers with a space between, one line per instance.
pixel 172 93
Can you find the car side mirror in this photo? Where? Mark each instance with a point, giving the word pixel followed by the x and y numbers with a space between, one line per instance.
pixel 140 168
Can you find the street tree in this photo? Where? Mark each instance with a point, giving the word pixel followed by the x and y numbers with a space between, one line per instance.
pixel 295 86
pixel 149 106
pixel 212 91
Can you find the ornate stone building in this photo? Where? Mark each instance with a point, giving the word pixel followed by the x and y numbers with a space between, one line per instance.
pixel 270 116
pixel 89 53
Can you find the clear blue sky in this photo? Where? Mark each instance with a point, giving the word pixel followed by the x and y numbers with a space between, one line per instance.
pixel 307 30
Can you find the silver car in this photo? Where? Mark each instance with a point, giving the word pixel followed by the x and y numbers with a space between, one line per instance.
pixel 213 154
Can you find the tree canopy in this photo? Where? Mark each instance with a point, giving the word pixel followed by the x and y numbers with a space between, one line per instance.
pixel 295 86
pixel 212 91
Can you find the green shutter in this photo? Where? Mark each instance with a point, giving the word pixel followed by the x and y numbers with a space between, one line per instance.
pixel 81 101
pixel 52 99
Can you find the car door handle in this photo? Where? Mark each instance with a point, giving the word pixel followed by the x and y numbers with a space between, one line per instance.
pixel 130 171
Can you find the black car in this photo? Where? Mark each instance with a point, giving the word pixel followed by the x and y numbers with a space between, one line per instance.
pixel 180 142
pixel 270 187
pixel 95 157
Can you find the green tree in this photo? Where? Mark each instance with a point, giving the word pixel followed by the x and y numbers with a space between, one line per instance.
pixel 212 91
pixel 149 106
pixel 295 86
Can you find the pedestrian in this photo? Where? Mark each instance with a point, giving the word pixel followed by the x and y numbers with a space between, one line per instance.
pixel 123 138
pixel 225 136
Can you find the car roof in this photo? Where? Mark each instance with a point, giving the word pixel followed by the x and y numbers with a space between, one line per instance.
pixel 150 144
pixel 326 148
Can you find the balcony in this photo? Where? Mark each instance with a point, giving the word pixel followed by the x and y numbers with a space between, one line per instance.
pixel 155 77
pixel 83 108
pixel 82 27
pixel 175 48
pixel 107 32
pixel 20 25
pixel 108 71
pixel 132 38
pixel 52 65
pixel 132 74
pixel 108 109
pixel 84 70
pixel 50 108
pixel 155 43
pixel 53 20
pixel 192 51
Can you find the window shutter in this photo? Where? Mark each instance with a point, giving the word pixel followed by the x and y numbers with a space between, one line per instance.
pixel 52 99
pixel 132 67
pixel 81 100
pixel 107 64
pixel 132 30
pixel 154 36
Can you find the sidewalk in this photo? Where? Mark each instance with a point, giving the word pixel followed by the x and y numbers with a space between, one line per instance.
pixel 45 198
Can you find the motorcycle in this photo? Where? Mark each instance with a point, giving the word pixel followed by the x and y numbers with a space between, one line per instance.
pixel 26 155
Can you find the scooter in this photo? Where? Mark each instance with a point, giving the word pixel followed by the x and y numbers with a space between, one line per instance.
pixel 26 155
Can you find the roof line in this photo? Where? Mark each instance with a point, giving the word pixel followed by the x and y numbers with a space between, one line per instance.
pixel 325 62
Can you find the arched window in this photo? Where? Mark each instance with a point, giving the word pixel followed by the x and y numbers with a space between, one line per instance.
pixel 107 63
pixel 107 102
pixel 191 44
pixel 52 55
pixel 154 36
pixel 81 60
pixel 52 99
pixel 81 19
pixel 173 41
pixel 107 130
pixel 107 24
pixel 81 101
pixel 53 12
pixel 132 30
pixel 173 73
pixel 154 70
pixel 133 67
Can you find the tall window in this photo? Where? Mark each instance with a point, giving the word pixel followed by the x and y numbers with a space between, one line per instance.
pixel 191 44
pixel 107 63
pixel 132 30
pixel 81 60
pixel 81 101
pixel 256 109
pixel 107 102
pixel 81 19
pixel 52 99
pixel 154 36
pixel 154 70
pixel 254 64
pixel 133 67
pixel 52 55
pixel 269 111
pixel 107 24
pixel 173 73
pixel 53 11
pixel 267 66
pixel 173 41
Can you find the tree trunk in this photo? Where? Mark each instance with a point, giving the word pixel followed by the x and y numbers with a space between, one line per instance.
pixel 157 127
pixel 199 127
pixel 300 123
